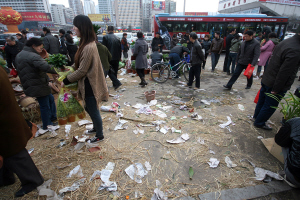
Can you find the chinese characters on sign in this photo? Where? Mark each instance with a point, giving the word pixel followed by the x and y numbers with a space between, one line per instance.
pixel 36 16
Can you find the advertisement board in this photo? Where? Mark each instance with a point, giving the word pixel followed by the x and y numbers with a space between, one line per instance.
pixel 100 17
pixel 36 16
pixel 196 13
pixel 288 2
pixel 158 5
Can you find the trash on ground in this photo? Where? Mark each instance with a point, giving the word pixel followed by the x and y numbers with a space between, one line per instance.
pixel 227 123
pixel 138 130
pixel 127 104
pixel 159 113
pixel 145 109
pixel 64 166
pixel 148 166
pixel 184 117
pixel 173 118
pixel 61 144
pixel 184 107
pixel 83 122
pixel 67 129
pixel 212 152
pixel 195 116
pixel 158 194
pixel 89 127
pixel 164 130
pixel 165 108
pixel 201 141
pixel 104 176
pixel 79 146
pixel 94 149
pixel 120 124
pixel 136 172
pixel 175 131
pixel 108 109
pixel 181 139
pixel 45 190
pixel 191 173
pixel 74 187
pixel 262 173
pixel 152 102
pixel 205 102
pixel 260 137
pixel 77 171
pixel 213 162
pixel 30 151
pixel 83 138
pixel 229 162
pixel 241 107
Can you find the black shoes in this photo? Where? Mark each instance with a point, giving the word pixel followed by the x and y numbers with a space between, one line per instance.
pixel 116 87
pixel 266 127
pixel 228 88
pixel 91 131
pixel 96 139
pixel 143 83
pixel 25 190
pixel 247 88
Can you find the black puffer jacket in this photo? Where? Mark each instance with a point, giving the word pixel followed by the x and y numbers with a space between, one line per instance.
pixel 11 53
pixel 113 44
pixel 283 65
pixel 32 69
pixel 291 128
pixel 156 42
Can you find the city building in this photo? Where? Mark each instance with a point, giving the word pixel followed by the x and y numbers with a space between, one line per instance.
pixel 89 7
pixel 27 5
pixel 58 14
pixel 170 6
pixel 106 7
pixel 69 15
pixel 77 7
pixel 147 17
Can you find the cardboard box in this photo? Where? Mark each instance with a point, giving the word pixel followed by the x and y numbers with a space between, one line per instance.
pixel 273 148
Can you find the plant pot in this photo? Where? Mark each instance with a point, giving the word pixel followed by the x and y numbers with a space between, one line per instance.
pixel 81 115
pixel 134 71
pixel 129 71
pixel 62 121
pixel 150 95
pixel 26 101
pixel 71 118
pixel 147 71
pixel 155 73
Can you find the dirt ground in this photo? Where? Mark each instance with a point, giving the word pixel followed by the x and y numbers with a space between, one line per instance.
pixel 170 162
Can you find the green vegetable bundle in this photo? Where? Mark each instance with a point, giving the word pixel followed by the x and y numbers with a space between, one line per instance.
pixel 58 61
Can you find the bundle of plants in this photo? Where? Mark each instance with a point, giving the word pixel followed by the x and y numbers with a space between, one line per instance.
pixel 58 61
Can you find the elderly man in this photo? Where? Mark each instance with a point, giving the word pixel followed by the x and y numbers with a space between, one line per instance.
pixel 12 49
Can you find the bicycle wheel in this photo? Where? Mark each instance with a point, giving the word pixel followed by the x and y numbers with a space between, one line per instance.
pixel 186 71
pixel 160 73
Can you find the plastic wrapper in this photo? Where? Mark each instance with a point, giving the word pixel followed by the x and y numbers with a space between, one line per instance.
pixel 68 108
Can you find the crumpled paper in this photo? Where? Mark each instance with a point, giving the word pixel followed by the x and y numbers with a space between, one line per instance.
pixel 105 175
pixel 205 102
pixel 83 122
pixel 158 194
pixel 152 102
pixel 213 162
pixel 136 172
pixel 77 171
pixel 261 174
pixel 159 113
pixel 145 109
pixel 74 187
pixel 138 130
pixel 227 123
pixel 229 162
pixel 120 124
pixel 148 166
pixel 181 139
pixel 45 190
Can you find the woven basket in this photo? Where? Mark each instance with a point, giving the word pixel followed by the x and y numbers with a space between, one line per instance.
pixel 26 101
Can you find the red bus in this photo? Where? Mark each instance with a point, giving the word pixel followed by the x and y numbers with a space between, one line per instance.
pixel 167 24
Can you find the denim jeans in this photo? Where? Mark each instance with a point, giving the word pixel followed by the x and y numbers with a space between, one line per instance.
pixel 264 110
pixel 214 60
pixel 231 60
pixel 195 71
pixel 92 109
pixel 174 59
pixel 289 176
pixel 259 67
pixel 237 73
pixel 48 109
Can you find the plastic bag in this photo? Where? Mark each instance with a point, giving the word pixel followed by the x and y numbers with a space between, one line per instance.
pixel 14 72
pixel 257 97
pixel 249 71
pixel 68 107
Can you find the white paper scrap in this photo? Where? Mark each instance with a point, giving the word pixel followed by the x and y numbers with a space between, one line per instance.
pixel 213 162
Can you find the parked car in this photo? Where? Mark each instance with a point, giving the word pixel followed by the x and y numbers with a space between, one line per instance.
pixel 130 39
pixel 148 37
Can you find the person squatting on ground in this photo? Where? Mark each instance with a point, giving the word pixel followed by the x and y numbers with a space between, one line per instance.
pixel 277 79
pixel 156 56
pixel 216 50
pixel 248 54
pixel 206 43
pixel 140 52
pixel 175 56
pixel 113 43
pixel 197 57
pixel 92 88
pixel 14 135
pixel 32 70
pixel 233 51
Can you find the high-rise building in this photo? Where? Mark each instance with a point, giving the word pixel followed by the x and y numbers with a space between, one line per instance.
pixel 69 15
pixel 107 7
pixel 170 6
pixel 27 5
pixel 128 13
pixel 77 7
pixel 146 20
pixel 58 14
pixel 89 7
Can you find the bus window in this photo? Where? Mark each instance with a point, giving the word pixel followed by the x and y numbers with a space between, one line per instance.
pixel 234 25
pixel 276 29
pixel 177 26
pixel 202 27
pixel 246 26
pixel 185 27
pixel 217 27
pixel 193 27
pixel 168 25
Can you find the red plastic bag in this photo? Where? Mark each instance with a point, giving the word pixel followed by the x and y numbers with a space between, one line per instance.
pixel 249 71
pixel 14 72
pixel 257 97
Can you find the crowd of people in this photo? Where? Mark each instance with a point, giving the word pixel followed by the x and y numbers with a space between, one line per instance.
pixel 93 61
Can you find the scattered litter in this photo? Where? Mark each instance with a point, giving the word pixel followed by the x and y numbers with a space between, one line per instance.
pixel 195 116
pixel 64 166
pixel 82 139
pixel 181 139
pixel 241 107
pixel 173 118
pixel 145 109
pixel 191 173
pixel 159 113
pixel 136 131
pixel 108 109
pixel 205 102
pixel 30 151
pixel 67 130
pixel 184 107
pixel 251 163
pixel 83 122
pixel 158 194
pixel 235 90
pixel 45 190
pixel 104 175
pixel 89 127
pixel 260 137
pixel 152 102
pixel 127 104
pixel 228 128
pixel 134 81
pixel 184 117
pixel 119 114
pixel 212 152
pixel 165 108
pixel 200 141
pixel 175 131
pixel 136 172
pixel 77 171
pixel 213 162
pixel 74 187
pixel 164 130
pixel 138 106
pixel 120 124
pixel 94 149
pixel 261 174
pixel 227 123
pixel 79 146
pixel 116 97
pixel 148 166
pixel 61 144
pixel 229 162
pixel 215 100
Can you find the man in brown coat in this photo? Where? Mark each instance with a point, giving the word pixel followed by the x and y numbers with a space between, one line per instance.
pixel 216 50
pixel 14 135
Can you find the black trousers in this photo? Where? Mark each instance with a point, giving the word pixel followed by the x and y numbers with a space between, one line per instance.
pixel 225 68
pixel 141 73
pixel 22 165
pixel 237 72
pixel 204 62
pixel 195 72
pixel 115 66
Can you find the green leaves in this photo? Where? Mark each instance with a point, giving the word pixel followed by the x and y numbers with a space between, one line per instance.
pixel 57 60
pixel 191 173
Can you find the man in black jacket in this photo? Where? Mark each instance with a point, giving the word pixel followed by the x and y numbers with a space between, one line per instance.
pixel 197 57
pixel 63 47
pixel 20 38
pixel 248 54
pixel 229 37
pixel 12 48
pixel 157 42
pixel 113 44
pixel 278 78
pixel 186 39
pixel 51 44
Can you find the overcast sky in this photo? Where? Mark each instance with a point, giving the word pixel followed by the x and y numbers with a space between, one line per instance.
pixel 191 5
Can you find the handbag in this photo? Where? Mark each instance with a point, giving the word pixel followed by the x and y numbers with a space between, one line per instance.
pixel 249 71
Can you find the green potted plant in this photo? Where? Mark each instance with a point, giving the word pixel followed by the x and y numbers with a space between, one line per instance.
pixel 59 61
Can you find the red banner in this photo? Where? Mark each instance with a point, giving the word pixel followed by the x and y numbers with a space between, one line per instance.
pixel 196 13
pixel 36 16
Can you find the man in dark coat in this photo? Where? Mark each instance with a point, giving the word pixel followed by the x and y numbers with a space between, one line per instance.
pixel 63 47
pixel 248 54
pixel 186 39
pixel 51 44
pixel 157 42
pixel 125 45
pixel 113 43
pixel 12 48
pixel 20 38
pixel 14 136
pixel 229 38
pixel 215 50
pixel 278 79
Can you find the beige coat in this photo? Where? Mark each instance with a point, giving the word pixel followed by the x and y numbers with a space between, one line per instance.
pixel 90 67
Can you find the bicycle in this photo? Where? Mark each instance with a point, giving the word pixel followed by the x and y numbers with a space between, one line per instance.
pixel 160 72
